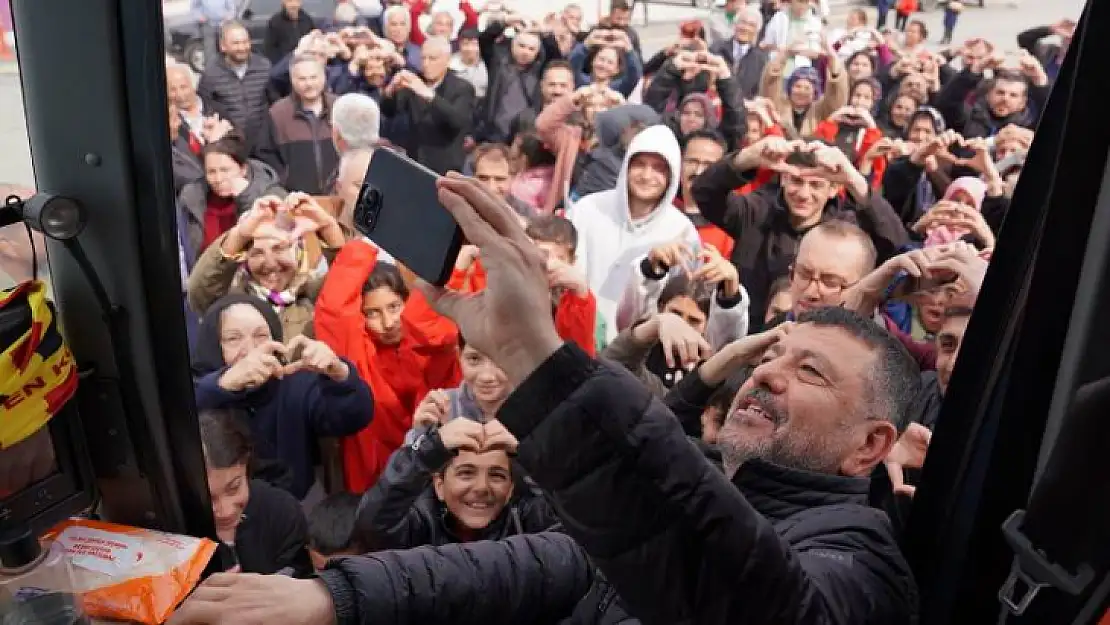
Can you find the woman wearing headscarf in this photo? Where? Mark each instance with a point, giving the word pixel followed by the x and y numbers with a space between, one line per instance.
pixel 294 392
pixel 258 258
pixel 398 344
pixel 799 99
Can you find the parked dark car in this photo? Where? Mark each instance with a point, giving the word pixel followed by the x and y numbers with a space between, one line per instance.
pixel 183 39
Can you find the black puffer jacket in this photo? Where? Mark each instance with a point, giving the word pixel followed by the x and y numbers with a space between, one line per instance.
pixel 679 542
pixel 536 579
pixel 401 510
pixel 676 539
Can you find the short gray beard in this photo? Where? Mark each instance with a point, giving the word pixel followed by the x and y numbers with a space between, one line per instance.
pixel 795 452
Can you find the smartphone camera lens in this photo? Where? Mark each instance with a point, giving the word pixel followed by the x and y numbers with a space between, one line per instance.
pixel 367 208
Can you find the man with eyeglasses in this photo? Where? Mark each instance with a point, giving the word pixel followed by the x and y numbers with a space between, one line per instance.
pixel 817 183
pixel 702 149
pixel 832 257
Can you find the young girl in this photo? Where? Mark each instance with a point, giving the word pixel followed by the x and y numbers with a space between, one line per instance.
pixel 366 313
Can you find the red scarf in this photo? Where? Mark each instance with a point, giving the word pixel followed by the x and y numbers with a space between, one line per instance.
pixel 219 217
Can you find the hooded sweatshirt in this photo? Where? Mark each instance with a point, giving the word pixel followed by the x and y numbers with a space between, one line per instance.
pixel 399 375
pixel 610 243
pixel 602 164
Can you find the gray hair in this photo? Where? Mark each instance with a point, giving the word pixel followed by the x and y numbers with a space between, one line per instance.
pixel 356 119
pixel 346 13
pixel 303 58
pixel 184 69
pixel 396 10
pixel 753 13
pixel 894 379
pixel 439 42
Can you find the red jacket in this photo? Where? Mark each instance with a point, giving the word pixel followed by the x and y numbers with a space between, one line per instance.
pixel 399 375
pixel 575 315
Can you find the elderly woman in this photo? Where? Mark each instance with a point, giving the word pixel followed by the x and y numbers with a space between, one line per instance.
pixel 798 98
pixel 280 267
pixel 292 393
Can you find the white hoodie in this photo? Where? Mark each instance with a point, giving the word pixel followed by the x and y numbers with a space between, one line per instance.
pixel 609 244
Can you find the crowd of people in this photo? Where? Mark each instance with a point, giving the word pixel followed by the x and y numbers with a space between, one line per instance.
pixel 775 226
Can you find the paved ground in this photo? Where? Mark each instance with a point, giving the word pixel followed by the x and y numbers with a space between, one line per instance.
pixel 998 23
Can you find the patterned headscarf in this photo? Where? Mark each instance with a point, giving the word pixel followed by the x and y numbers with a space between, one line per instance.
pixel 278 299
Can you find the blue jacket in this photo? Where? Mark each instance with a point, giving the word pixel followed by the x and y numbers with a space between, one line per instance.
pixel 289 415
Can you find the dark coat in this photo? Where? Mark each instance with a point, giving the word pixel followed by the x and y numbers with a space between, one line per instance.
pixel 497 56
pixel 679 542
pixel 976 120
pixel 436 128
pixel 283 34
pixel 536 579
pixel 186 165
pixel 401 510
pixel 193 202
pixel 748 71
pixel 273 533
pixel 299 146
pixel 766 243
pixel 287 415
pixel 244 99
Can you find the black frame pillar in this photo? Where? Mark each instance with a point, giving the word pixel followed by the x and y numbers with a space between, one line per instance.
pixel 94 87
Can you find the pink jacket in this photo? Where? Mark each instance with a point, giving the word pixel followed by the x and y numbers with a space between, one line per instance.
pixel 565 141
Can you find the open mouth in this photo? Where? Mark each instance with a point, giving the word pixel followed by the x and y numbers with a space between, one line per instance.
pixel 752 408
pixel 478 507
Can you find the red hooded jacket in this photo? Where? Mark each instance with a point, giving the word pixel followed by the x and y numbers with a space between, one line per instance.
pixel 399 375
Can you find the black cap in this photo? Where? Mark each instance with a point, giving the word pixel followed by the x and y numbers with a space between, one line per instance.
pixel 18 548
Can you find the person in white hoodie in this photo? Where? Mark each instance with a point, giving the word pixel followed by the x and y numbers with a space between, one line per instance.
pixel 617 227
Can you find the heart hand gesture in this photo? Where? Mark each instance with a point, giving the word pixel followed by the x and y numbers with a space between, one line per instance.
pixel 315 356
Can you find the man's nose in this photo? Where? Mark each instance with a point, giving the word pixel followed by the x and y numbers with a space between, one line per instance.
pixel 770 376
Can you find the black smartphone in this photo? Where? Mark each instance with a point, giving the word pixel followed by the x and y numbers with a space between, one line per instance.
pixel 398 209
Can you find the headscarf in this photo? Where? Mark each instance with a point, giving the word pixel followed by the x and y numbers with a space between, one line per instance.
pixel 707 108
pixel 804 73
pixel 208 356
pixel 974 187
pixel 278 299
pixel 932 115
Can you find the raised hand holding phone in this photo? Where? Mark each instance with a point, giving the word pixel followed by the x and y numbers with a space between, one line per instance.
pixel 510 320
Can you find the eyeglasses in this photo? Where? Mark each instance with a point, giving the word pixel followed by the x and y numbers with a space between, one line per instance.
pixel 827 281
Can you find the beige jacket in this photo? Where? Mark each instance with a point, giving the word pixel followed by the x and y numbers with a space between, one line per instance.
pixel 213 277
pixel 835 96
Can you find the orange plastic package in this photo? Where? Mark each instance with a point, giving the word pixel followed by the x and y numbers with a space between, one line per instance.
pixel 129 573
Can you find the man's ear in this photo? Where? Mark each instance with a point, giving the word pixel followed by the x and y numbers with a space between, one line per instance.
pixel 873 443
pixel 437 484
